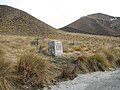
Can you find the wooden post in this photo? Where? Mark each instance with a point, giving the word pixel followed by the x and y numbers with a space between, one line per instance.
pixel 37 43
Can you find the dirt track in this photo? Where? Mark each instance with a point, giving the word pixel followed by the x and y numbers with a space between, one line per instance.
pixel 109 80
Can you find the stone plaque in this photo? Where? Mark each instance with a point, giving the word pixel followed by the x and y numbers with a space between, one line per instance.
pixel 55 48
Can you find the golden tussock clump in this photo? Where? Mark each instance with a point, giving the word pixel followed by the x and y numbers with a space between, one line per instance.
pixel 6 68
pixel 34 71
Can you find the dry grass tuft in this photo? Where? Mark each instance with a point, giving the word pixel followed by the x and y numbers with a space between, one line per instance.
pixel 68 73
pixel 108 53
pixel 97 62
pixel 116 52
pixel 77 48
pixel 6 69
pixel 34 71
pixel 112 55
pixel 82 63
pixel 101 61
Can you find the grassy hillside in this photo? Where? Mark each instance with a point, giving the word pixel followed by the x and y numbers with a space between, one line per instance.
pixel 98 24
pixel 17 22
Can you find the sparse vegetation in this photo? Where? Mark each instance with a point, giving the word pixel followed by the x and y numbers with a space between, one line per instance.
pixel 98 24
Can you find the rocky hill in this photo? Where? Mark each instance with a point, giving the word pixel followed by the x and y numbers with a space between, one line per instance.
pixel 16 22
pixel 98 24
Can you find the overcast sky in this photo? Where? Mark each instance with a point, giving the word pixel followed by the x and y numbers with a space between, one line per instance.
pixel 59 13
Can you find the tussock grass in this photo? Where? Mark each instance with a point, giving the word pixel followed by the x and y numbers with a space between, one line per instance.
pixel 77 48
pixel 68 73
pixel 104 59
pixel 108 53
pixel 90 64
pixel 101 61
pixel 34 71
pixel 93 53
pixel 112 54
pixel 116 52
pixel 82 63
pixel 6 69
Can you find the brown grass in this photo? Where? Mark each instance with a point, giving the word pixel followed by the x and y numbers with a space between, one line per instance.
pixel 34 71
pixel 6 69
pixel 68 72
pixel 88 53
pixel 104 59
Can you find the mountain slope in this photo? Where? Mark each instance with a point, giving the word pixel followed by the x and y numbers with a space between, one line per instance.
pixel 16 22
pixel 99 24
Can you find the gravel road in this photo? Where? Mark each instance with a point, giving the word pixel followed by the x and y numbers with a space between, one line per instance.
pixel 109 80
